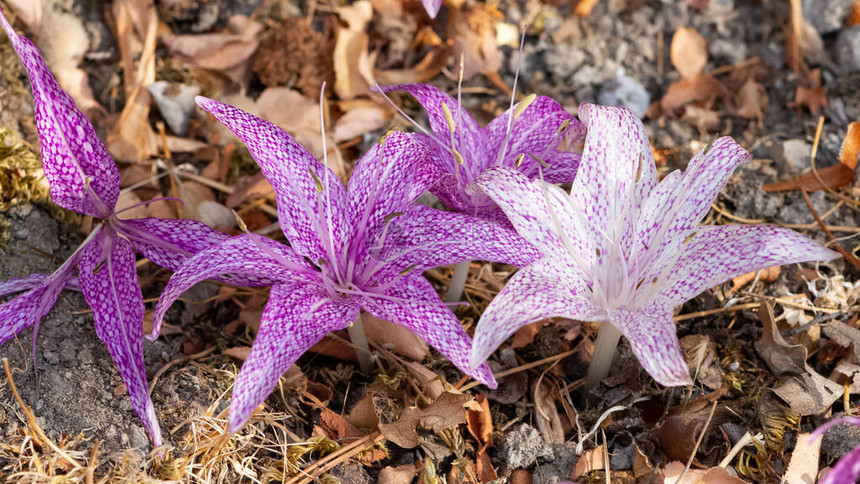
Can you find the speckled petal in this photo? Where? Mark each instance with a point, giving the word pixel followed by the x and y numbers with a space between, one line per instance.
pixel 295 318
pixel 653 338
pixel 846 471
pixel 19 284
pixel 563 166
pixel 615 174
pixel 169 242
pixel 718 253
pixel 538 291
pixel 675 210
pixel 29 308
pixel 252 257
pixel 386 180
pixel 109 283
pixel 432 7
pixel 307 222
pixel 468 138
pixel 534 132
pixel 555 233
pixel 425 238
pixel 414 304
pixel 82 175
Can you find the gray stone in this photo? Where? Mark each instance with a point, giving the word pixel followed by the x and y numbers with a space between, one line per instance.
pixel 176 103
pixel 621 457
pixel 350 473
pixel 848 50
pixel 563 60
pixel 625 91
pixel 728 51
pixel 796 154
pixel 524 447
pixel 560 468
pixel 826 15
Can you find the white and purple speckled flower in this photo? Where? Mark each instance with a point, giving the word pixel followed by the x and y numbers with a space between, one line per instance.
pixel 84 178
pixel 361 248
pixel 525 138
pixel 847 470
pixel 623 248
pixel 432 7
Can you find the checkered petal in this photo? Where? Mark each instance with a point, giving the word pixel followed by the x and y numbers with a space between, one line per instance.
pixel 718 253
pixel 386 180
pixel 615 175
pixel 169 242
pixel 538 291
pixel 250 257
pixel 541 213
pixel 653 338
pixel 414 304
pixel 82 175
pixel 424 238
pixel 468 138
pixel 109 283
pixel 295 318
pixel 311 220
pixel 29 308
pixel 20 284
pixel 535 132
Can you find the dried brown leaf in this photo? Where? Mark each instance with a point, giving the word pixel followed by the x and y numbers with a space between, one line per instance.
pixel 397 475
pixel 350 49
pixel 674 473
pixel 697 88
pixel 446 412
pixel 689 52
pixel 803 466
pixel 751 100
pixel 591 460
pixel 473 31
pixel 402 340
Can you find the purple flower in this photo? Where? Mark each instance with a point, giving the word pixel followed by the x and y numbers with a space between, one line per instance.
pixel 525 137
pixel 362 248
pixel 622 248
pixel 432 7
pixel 847 470
pixel 84 178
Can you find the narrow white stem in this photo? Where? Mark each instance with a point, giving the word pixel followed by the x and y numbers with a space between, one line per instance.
pixel 604 352
pixel 458 282
pixel 362 352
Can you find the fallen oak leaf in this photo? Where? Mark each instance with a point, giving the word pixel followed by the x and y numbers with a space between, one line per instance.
pixel 834 177
pixel 449 410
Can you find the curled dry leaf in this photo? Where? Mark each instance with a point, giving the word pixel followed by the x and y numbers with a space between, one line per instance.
pixel 447 411
pixel 473 31
pixel 228 53
pixel 386 333
pixel 751 100
pixel 805 390
pixel 765 275
pixel 397 475
pixel 359 119
pixel 592 460
pixel 834 177
pixel 674 473
pixel 350 49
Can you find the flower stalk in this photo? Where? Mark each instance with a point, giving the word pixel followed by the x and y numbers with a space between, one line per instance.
pixel 605 348
pixel 458 282
pixel 362 351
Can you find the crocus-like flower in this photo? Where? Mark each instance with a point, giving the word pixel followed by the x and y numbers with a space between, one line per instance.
pixel 364 248
pixel 847 470
pixel 525 138
pixel 84 178
pixel 622 248
pixel 432 7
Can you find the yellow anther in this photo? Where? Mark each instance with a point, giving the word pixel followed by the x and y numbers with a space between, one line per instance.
pixel 639 169
pixel 385 137
pixel 564 125
pixel 519 160
pixel 457 156
pixel 239 222
pixel 524 104
pixel 316 179
pixel 391 216
pixel 690 238
pixel 408 270
pixel 448 118
pixel 462 67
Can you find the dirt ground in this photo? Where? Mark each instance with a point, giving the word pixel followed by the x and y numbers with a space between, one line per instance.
pixel 618 54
